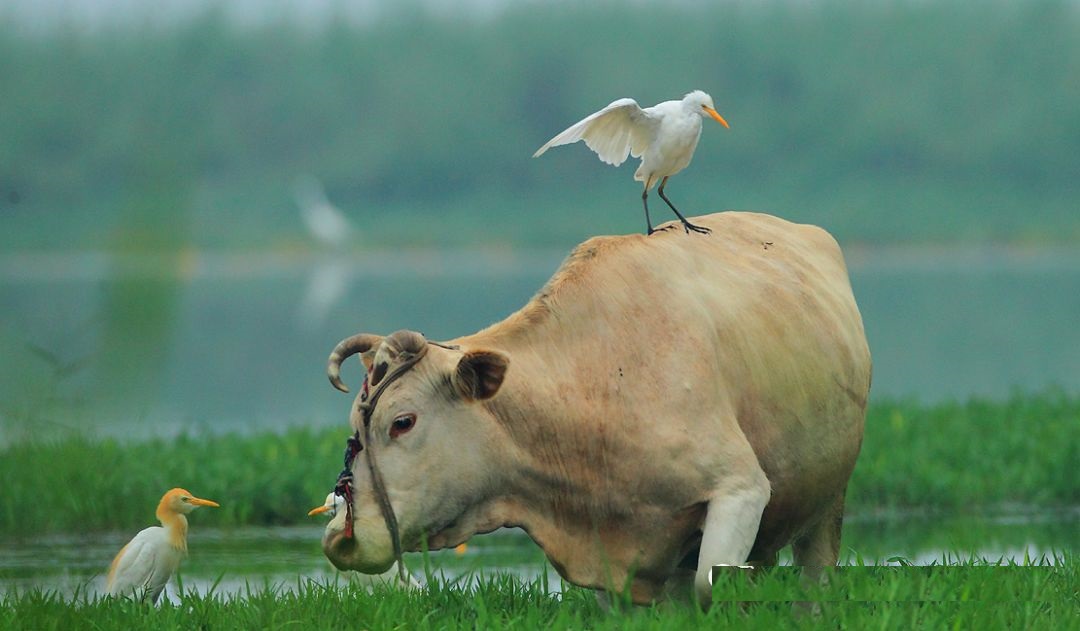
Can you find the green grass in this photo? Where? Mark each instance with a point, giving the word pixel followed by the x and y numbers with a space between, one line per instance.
pixel 101 484
pixel 968 456
pixel 965 596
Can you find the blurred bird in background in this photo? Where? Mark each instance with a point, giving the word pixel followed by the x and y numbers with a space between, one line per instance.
pixel 331 229
pixel 323 220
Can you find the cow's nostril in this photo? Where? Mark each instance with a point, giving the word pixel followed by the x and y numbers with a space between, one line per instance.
pixel 339 549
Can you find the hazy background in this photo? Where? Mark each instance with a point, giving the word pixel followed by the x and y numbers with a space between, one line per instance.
pixel 157 274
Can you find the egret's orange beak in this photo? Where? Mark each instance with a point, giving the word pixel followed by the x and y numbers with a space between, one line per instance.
pixel 319 510
pixel 716 116
pixel 201 502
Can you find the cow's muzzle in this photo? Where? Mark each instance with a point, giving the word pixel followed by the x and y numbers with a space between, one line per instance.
pixel 356 553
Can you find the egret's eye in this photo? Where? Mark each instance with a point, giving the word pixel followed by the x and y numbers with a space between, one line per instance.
pixel 402 424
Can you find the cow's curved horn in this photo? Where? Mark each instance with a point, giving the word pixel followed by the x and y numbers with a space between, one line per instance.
pixel 359 343
pixel 400 347
pixel 405 341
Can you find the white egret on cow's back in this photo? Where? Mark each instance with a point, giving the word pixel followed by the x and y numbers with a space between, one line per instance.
pixel 143 566
pixel 664 136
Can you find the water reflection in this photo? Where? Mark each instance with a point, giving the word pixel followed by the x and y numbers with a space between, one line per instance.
pixel 941 324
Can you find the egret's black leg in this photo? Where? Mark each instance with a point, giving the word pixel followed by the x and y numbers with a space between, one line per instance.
pixel 686 224
pixel 645 202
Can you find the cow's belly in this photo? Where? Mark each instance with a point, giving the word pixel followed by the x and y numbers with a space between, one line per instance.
pixel 646 547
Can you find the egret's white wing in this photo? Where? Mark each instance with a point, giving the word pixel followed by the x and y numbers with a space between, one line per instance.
pixel 133 565
pixel 620 129
pixel 143 567
pixel 155 584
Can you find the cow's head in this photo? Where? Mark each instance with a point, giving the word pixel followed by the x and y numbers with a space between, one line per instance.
pixel 433 443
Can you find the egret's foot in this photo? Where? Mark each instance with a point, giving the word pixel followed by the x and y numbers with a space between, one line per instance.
pixel 663 229
pixel 699 229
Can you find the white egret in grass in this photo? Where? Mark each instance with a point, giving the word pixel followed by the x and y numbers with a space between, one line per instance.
pixel 331 506
pixel 143 566
pixel 664 136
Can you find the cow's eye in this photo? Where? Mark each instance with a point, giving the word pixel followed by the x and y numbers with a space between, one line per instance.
pixel 402 424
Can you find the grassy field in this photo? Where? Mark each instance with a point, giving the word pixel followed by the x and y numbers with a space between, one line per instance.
pixel 966 597
pixel 976 453
pixel 956 456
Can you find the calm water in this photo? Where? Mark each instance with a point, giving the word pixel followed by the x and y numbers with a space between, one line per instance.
pixel 204 341
pixel 232 561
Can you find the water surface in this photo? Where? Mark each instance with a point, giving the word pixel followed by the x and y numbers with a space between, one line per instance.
pixel 205 341
pixel 233 561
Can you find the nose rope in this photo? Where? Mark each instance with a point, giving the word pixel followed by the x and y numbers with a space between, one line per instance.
pixel 343 486
pixel 354 447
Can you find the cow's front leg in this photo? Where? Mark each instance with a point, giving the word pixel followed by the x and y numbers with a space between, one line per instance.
pixel 731 524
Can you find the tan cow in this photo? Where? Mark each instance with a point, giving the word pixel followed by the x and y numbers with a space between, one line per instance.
pixel 663 405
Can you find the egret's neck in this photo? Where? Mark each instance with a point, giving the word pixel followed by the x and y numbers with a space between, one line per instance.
pixel 176 527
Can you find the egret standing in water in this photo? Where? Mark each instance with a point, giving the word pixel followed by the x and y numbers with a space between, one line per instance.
pixel 143 566
pixel 664 136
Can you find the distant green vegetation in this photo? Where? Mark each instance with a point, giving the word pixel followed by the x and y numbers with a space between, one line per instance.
pixel 1015 598
pixel 884 121
pixel 975 453
pixel 90 484
pixel 973 456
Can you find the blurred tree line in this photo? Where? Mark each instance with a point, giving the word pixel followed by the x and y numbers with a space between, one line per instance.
pixel 887 121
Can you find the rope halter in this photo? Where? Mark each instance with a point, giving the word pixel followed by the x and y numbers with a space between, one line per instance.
pixel 396 354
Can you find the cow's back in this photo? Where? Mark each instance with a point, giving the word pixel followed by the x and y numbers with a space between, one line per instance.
pixel 770 300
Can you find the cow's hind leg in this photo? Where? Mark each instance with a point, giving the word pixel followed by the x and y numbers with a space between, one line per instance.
pixel 819 546
pixel 731 523
pixel 817 549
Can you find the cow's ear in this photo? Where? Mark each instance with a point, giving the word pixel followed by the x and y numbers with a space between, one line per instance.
pixel 479 374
